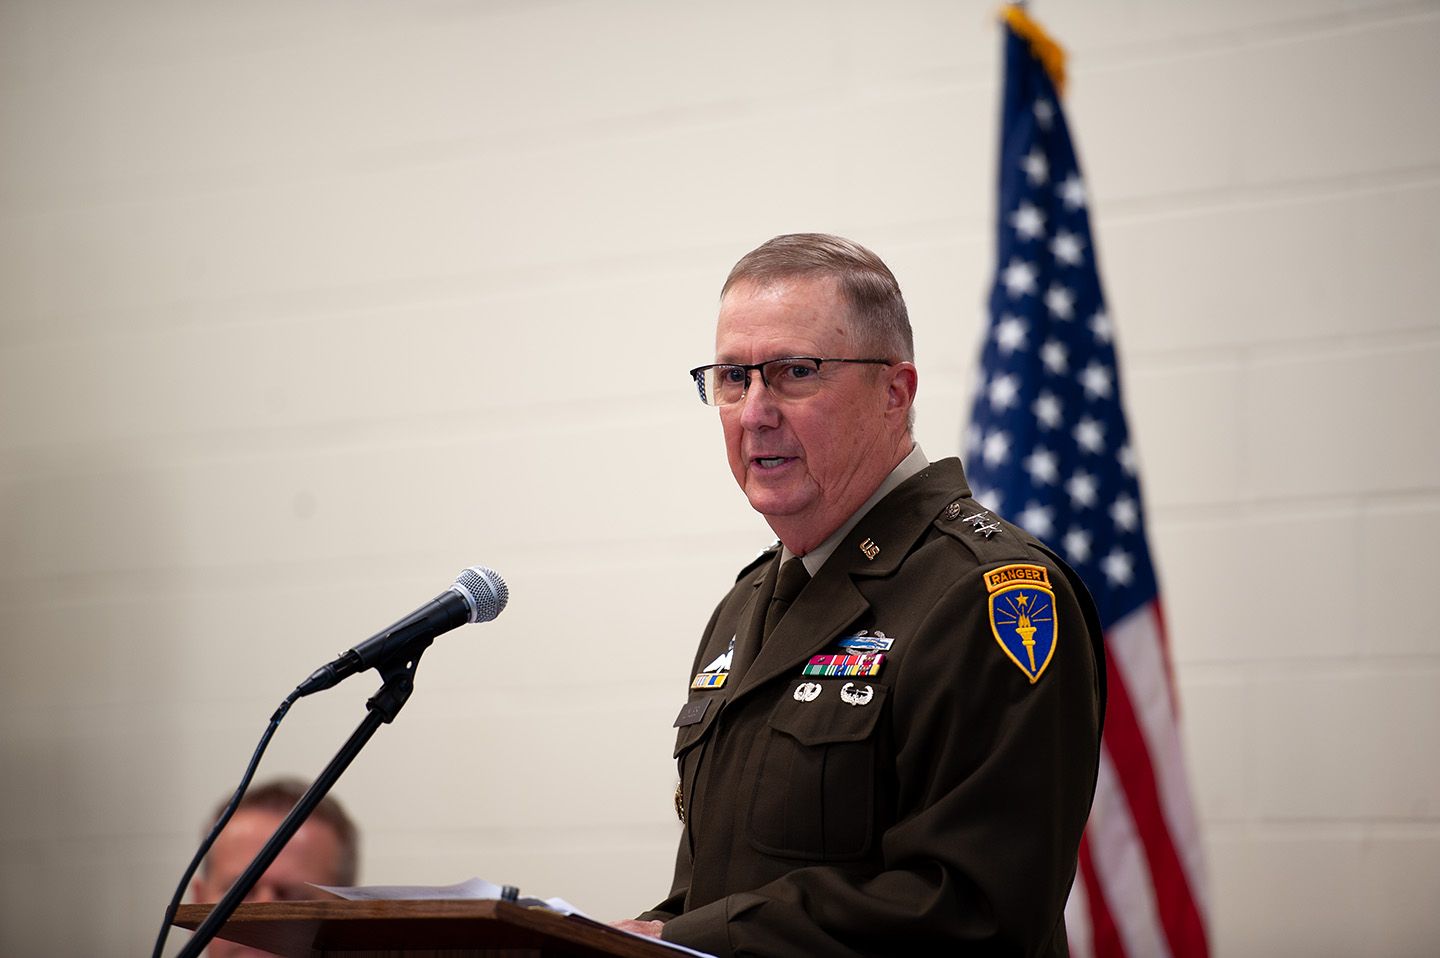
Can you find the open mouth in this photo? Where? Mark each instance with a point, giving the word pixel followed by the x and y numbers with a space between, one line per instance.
pixel 770 462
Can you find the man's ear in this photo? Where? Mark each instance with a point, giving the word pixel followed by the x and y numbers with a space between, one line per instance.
pixel 900 388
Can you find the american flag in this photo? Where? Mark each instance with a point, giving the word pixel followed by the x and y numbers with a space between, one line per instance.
pixel 1048 447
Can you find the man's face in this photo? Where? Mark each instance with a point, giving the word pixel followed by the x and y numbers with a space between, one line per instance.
pixel 312 855
pixel 807 464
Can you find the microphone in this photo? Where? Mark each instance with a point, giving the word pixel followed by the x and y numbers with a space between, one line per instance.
pixel 478 595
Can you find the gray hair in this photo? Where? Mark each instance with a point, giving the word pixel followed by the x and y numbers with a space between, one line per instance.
pixel 878 314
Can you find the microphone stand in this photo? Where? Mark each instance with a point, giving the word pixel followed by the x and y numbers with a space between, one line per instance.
pixel 381 708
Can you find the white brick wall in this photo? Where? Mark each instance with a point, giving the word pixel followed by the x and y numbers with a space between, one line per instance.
pixel 306 305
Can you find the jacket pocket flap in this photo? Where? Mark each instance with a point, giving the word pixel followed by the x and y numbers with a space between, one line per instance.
pixel 838 712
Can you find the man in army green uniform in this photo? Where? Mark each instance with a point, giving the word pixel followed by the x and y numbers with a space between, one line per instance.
pixel 892 733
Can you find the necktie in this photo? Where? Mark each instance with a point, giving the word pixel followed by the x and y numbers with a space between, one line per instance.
pixel 788 584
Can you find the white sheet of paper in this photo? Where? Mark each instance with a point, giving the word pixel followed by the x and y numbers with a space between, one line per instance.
pixel 475 889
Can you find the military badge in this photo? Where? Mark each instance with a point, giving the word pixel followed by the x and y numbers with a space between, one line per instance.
pixel 807 691
pixel 1022 616
pixel 863 641
pixel 983 524
pixel 723 660
pixel 714 675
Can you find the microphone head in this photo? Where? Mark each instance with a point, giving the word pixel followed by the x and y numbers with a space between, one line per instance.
pixel 483 591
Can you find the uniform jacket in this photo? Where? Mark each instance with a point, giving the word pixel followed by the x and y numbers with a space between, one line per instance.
pixel 934 807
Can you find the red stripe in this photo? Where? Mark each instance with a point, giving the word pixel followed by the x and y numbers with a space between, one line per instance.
pixel 1163 637
pixel 1104 936
pixel 1179 915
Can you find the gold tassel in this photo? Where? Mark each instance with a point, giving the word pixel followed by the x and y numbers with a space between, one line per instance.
pixel 1050 54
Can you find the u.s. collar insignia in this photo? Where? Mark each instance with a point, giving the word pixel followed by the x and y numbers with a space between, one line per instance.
pixel 1022 616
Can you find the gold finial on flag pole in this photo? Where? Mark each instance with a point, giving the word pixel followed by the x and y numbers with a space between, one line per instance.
pixel 1050 54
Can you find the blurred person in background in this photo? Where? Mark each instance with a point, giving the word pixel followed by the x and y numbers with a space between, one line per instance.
pixel 325 851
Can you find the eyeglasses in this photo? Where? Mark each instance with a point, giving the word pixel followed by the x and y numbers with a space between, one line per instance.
pixel 794 377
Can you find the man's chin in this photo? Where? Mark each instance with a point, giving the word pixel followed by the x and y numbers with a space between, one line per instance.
pixel 774 504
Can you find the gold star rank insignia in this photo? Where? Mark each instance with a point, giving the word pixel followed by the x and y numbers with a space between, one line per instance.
pixel 1022 616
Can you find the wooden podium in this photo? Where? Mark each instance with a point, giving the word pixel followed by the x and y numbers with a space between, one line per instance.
pixel 420 929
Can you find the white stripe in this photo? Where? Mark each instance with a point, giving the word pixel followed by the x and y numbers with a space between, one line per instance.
pixel 1077 921
pixel 1135 649
pixel 1121 868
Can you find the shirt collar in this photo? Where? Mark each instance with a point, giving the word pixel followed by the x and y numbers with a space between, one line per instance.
pixel 909 466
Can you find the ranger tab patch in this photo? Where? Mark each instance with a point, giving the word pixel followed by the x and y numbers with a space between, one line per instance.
pixel 1022 616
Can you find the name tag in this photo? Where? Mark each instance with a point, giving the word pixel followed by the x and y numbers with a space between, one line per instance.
pixel 691 713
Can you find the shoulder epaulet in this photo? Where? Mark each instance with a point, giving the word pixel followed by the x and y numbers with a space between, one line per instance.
pixel 988 537
pixel 764 554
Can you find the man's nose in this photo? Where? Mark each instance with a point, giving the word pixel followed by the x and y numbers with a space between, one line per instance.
pixel 263 891
pixel 757 406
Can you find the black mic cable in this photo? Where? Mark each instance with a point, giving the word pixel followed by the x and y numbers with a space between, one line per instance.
pixel 478 595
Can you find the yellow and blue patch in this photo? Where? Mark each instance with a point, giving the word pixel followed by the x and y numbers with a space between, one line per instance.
pixel 1022 616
